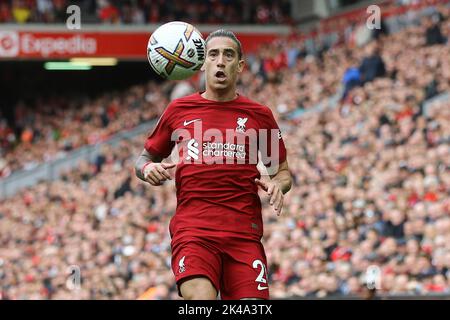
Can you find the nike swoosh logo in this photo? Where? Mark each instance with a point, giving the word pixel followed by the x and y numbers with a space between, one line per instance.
pixel 189 122
pixel 262 288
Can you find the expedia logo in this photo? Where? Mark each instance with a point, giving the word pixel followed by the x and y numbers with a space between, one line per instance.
pixel 9 44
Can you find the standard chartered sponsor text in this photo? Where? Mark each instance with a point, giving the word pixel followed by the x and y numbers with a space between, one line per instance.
pixel 219 149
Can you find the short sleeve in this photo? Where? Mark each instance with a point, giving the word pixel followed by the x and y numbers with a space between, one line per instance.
pixel 159 142
pixel 271 144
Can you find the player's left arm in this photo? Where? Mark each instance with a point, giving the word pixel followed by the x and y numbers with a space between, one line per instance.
pixel 279 185
pixel 280 181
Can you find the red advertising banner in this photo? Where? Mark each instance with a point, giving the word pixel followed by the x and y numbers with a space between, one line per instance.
pixel 122 45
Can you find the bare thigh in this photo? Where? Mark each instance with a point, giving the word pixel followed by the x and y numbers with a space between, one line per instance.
pixel 199 288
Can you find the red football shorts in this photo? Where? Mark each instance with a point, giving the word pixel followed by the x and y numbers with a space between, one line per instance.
pixel 236 267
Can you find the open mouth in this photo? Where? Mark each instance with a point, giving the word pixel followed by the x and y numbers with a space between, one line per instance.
pixel 220 75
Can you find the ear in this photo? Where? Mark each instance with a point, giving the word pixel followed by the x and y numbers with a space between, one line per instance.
pixel 241 65
pixel 203 67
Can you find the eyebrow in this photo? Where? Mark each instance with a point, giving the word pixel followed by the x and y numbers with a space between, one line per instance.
pixel 225 50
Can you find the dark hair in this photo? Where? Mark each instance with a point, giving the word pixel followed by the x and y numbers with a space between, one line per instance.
pixel 226 34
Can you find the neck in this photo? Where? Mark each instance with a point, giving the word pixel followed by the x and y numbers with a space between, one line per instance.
pixel 219 95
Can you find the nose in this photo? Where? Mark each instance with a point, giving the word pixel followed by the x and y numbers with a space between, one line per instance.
pixel 220 61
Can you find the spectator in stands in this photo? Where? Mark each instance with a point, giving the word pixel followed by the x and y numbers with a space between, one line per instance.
pixel 351 79
pixel 5 13
pixel 274 63
pixel 383 30
pixel 147 11
pixel 109 13
pixel 433 32
pixel 372 65
pixel 20 11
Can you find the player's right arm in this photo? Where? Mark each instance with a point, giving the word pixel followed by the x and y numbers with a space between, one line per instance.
pixel 159 144
pixel 149 168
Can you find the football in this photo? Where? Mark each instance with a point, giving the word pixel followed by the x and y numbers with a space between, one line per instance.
pixel 176 50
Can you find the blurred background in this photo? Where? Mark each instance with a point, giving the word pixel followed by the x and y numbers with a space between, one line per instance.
pixel 365 115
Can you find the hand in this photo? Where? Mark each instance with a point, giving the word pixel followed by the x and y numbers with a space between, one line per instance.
pixel 155 173
pixel 273 190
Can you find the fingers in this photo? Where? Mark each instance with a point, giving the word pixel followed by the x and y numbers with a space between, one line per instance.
pixel 152 180
pixel 280 210
pixel 271 193
pixel 262 184
pixel 276 197
pixel 163 172
pixel 168 165
pixel 278 204
pixel 274 194
pixel 155 174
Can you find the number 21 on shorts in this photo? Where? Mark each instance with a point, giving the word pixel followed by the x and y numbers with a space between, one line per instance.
pixel 262 277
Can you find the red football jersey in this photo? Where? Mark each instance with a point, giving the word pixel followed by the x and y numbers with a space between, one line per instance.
pixel 218 144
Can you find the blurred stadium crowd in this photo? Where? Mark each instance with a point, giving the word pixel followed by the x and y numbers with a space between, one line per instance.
pixel 148 11
pixel 371 177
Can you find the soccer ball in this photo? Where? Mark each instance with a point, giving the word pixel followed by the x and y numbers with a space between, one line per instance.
pixel 176 50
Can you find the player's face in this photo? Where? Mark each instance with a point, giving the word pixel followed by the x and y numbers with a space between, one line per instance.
pixel 222 64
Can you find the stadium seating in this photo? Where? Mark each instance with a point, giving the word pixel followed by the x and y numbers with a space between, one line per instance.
pixel 371 183
pixel 148 11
